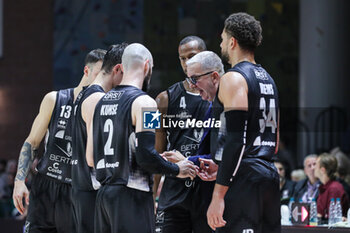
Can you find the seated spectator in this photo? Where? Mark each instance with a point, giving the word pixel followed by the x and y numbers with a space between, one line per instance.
pixel 325 169
pixel 307 189
pixel 286 186
pixel 297 175
pixel 343 171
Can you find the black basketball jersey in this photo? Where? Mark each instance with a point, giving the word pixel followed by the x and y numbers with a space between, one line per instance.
pixel 114 140
pixel 81 172
pixel 57 159
pixel 183 105
pixel 261 127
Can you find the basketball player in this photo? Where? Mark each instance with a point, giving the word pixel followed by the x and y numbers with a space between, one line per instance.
pixel 124 154
pixel 50 196
pixel 84 184
pixel 246 193
pixel 183 203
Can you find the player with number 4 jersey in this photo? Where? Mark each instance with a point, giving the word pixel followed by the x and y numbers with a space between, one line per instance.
pixel 182 203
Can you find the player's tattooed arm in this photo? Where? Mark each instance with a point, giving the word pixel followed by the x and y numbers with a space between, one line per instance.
pixel 37 133
pixel 24 161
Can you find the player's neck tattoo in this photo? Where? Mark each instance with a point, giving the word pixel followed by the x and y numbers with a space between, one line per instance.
pixel 24 161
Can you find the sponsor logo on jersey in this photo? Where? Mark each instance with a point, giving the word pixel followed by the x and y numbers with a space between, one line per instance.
pixel 69 149
pixel 109 110
pixel 188 149
pixel 260 74
pixel 101 164
pixel 197 135
pixel 258 142
pixel 248 231
pixel 60 134
pixel 151 119
pixel 113 95
pixel 60 159
pixel 61 123
pixel 112 165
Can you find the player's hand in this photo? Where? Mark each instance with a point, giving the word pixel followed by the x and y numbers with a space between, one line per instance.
pixel 187 169
pixel 215 213
pixel 20 191
pixel 208 169
pixel 173 156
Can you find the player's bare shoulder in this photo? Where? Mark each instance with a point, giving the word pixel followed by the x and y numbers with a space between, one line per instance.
pixel 144 101
pixel 233 91
pixel 232 79
pixel 48 103
pixel 50 98
pixel 162 99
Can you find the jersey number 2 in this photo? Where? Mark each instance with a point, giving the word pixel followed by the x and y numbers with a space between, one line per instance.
pixel 108 128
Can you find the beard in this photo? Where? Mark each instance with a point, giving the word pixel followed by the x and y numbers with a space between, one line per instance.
pixel 225 57
pixel 146 82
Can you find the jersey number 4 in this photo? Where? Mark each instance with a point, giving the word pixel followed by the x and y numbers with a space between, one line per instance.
pixel 182 102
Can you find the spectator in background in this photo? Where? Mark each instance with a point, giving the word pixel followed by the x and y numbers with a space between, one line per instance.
pixel 343 169
pixel 286 185
pixel 297 175
pixel 307 189
pixel 325 169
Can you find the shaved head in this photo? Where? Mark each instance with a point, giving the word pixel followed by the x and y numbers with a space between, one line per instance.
pixel 135 55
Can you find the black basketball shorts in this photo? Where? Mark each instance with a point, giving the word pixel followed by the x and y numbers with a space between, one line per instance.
pixel 50 206
pixel 120 209
pixel 252 202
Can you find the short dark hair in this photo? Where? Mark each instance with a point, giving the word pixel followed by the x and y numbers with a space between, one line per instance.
pixel 329 162
pixel 94 56
pixel 200 42
pixel 245 29
pixel 113 57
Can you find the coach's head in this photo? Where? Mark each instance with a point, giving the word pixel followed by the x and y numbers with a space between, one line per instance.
pixel 204 71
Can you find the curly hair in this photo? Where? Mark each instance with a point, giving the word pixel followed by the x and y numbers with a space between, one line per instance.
pixel 245 29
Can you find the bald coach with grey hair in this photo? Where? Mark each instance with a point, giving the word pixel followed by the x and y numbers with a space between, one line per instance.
pixel 124 154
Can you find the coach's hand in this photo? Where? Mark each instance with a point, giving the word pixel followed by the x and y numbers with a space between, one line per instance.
pixel 173 156
pixel 20 191
pixel 215 213
pixel 187 169
pixel 208 169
